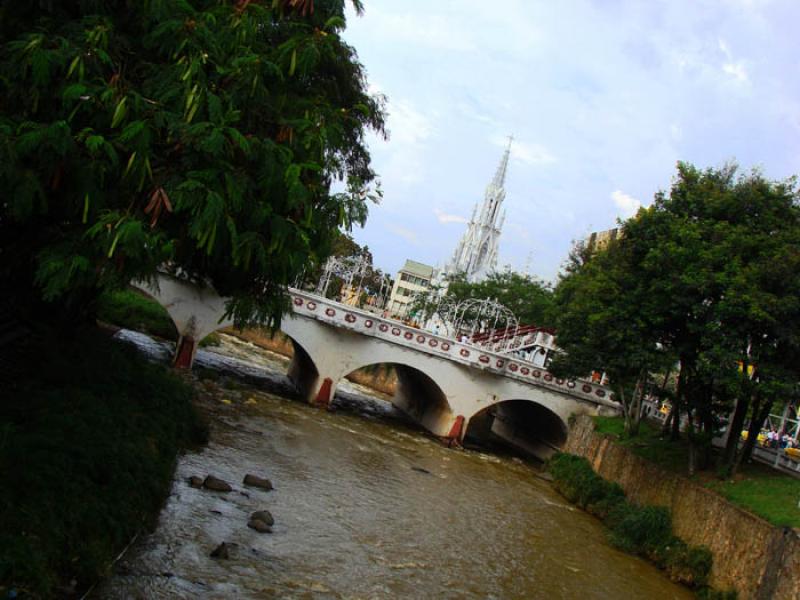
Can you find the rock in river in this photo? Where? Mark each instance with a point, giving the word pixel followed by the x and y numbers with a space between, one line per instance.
pixel 259 482
pixel 195 481
pixel 221 551
pixel 263 515
pixel 213 483
pixel 259 525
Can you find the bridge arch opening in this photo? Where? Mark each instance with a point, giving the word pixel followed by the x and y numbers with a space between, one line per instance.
pixel 138 310
pixel 521 425
pixel 408 389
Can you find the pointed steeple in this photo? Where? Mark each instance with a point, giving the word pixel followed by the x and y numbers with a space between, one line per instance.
pixel 500 175
pixel 476 253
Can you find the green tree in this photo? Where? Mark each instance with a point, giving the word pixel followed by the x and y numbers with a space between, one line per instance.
pixel 202 135
pixel 712 270
pixel 530 299
pixel 601 325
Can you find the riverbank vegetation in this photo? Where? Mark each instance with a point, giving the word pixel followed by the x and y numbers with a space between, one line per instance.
pixel 757 488
pixel 696 303
pixel 642 530
pixel 89 436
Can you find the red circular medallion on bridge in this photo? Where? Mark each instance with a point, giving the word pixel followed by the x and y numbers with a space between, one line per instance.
pixel 500 364
pixel 311 305
pixel 537 374
pixel 421 339
pixel 548 377
pixel 383 327
pixel 570 384
pixel 433 343
pixel 586 388
pixel 464 352
pixel 513 367
pixel 483 358
pixel 330 312
pixel 368 323
pixel 560 381
pixel 445 346
pixel 524 370
pixel 350 318
pixel 408 335
pixel 600 393
pixel 395 331
pixel 298 301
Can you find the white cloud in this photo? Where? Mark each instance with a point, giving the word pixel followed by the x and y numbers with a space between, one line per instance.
pixel 627 204
pixel 408 235
pixel 735 69
pixel 406 124
pixel 445 218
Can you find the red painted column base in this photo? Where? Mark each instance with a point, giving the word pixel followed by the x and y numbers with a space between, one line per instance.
pixel 453 439
pixel 324 395
pixel 184 356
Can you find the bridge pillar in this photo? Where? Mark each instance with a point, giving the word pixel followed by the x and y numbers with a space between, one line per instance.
pixel 195 310
pixel 324 394
pixel 456 433
pixel 185 350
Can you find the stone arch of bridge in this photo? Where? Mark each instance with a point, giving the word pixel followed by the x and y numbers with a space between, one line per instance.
pixel 521 423
pixel 418 395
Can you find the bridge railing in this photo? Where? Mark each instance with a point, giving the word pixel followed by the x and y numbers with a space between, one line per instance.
pixel 366 323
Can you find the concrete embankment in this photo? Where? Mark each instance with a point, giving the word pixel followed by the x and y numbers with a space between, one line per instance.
pixel 751 556
pixel 381 378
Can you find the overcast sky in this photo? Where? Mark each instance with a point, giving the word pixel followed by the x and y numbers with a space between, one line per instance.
pixel 602 97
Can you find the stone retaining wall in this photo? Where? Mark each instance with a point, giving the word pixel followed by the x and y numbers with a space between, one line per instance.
pixel 751 556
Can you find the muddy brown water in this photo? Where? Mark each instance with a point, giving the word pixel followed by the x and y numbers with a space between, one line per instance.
pixel 365 506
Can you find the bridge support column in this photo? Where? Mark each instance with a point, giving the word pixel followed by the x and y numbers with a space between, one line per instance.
pixel 456 433
pixel 324 394
pixel 185 350
pixel 196 311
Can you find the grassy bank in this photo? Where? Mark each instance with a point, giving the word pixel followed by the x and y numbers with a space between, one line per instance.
pixel 89 434
pixel 642 530
pixel 757 488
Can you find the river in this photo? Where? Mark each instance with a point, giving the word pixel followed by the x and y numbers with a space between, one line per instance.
pixel 365 505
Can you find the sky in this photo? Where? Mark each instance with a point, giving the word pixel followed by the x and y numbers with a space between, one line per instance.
pixel 603 97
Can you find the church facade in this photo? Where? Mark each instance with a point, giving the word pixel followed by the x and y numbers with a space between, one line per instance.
pixel 476 254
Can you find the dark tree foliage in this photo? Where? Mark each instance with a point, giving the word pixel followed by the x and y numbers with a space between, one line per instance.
pixel 709 275
pixel 198 135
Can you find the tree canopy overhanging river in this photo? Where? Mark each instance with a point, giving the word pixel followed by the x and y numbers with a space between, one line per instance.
pixel 365 506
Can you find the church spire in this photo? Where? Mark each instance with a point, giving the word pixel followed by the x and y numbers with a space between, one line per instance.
pixel 476 254
pixel 500 175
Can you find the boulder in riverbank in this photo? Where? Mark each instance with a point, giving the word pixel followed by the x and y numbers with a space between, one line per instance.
pixel 216 484
pixel 195 481
pixel 259 482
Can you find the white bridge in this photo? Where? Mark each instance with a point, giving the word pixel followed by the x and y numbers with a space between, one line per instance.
pixel 453 389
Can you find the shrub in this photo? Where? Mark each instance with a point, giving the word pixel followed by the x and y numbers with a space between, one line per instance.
pixel 642 530
pixel 87 456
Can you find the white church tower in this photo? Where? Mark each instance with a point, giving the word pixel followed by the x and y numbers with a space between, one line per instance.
pixel 476 253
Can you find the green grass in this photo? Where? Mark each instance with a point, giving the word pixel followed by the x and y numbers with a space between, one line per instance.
pixel 133 310
pixel 772 495
pixel 88 441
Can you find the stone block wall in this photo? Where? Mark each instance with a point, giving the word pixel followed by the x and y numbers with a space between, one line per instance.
pixel 751 556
